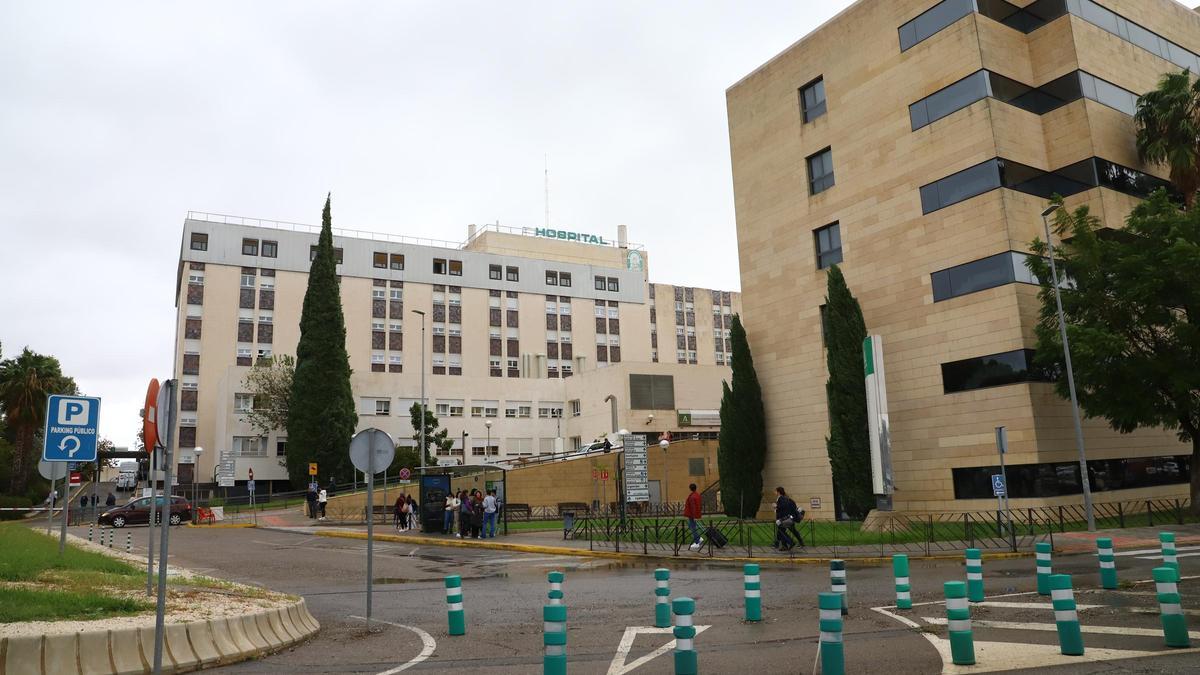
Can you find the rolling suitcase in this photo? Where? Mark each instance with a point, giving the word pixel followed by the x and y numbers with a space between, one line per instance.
pixel 714 537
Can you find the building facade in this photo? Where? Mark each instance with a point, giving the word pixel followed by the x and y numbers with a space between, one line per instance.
pixel 525 332
pixel 915 143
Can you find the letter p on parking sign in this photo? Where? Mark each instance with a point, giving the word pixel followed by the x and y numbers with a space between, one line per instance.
pixel 73 411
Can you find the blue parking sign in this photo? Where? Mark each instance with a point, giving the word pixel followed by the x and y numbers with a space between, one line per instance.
pixel 71 429
pixel 998 485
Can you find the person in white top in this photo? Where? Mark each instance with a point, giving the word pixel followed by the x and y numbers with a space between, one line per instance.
pixel 451 507
pixel 489 515
pixel 322 499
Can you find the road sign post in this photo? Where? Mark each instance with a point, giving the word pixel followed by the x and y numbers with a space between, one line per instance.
pixel 371 451
pixel 1002 449
pixel 167 410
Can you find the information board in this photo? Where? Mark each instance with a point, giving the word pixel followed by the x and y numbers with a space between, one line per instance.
pixel 637 468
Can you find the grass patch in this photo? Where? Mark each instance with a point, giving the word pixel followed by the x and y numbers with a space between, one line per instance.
pixel 535 525
pixel 27 604
pixel 25 555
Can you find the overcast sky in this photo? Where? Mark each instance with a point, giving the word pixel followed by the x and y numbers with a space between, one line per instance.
pixel 117 118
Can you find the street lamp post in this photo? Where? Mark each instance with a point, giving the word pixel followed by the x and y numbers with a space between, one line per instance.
pixel 1062 327
pixel 421 452
pixel 487 449
pixel 195 470
pixel 665 443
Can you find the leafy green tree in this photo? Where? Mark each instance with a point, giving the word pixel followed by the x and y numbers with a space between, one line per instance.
pixel 434 437
pixel 1132 310
pixel 270 381
pixel 742 444
pixel 321 416
pixel 407 458
pixel 1168 130
pixel 26 381
pixel 848 444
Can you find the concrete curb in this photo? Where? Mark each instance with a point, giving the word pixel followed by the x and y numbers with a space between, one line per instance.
pixel 613 555
pixel 189 646
pixel 221 526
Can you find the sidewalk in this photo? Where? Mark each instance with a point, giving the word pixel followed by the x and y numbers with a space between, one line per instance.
pixel 1129 538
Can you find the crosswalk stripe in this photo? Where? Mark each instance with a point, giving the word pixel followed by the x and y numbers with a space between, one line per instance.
pixel 1144 551
pixel 1027 605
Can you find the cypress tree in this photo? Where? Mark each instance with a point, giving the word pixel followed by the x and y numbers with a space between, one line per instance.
pixel 321 417
pixel 742 447
pixel 848 445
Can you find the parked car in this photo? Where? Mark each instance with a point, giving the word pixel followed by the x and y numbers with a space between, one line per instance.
pixel 137 512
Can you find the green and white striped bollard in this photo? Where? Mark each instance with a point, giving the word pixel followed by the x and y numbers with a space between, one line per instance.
pixel 556 593
pixel 1174 623
pixel 662 595
pixel 1170 558
pixel 833 660
pixel 685 633
pixel 455 614
pixel 958 621
pixel 974 575
pixel 1043 568
pixel 1066 617
pixel 837 582
pixel 554 638
pixel 1108 563
pixel 752 586
pixel 903 588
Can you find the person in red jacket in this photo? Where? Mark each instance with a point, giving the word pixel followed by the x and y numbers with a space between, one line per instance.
pixel 691 511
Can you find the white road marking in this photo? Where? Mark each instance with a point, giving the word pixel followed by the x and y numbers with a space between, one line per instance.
pixel 1159 557
pixel 1051 628
pixel 1144 551
pixel 1026 605
pixel 428 644
pixel 619 667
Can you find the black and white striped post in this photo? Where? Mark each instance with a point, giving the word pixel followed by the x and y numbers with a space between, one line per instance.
pixel 837 582
pixel 129 542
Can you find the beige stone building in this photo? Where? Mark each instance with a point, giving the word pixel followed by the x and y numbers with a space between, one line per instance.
pixel 526 332
pixel 915 143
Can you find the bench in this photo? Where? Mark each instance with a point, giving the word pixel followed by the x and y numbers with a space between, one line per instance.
pixel 518 512
pixel 579 508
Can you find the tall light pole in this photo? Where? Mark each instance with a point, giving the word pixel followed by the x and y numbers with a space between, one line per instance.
pixel 1062 327
pixel 664 443
pixel 421 451
pixel 487 449
pixel 195 470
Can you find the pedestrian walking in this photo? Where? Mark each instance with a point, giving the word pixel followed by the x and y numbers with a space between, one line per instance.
pixel 464 514
pixel 451 508
pixel 787 514
pixel 322 499
pixel 489 515
pixel 691 511
pixel 111 500
pixel 396 512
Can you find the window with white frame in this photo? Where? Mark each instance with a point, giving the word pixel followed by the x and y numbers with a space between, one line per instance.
pixel 512 333
pixel 546 446
pixel 691 331
pixel 493 361
pixel 439 359
pixel 397 294
pixel 395 359
pixel 564 308
pixel 551 307
pixel 494 331
pixel 614 312
pixel 266 317
pixel 196 279
pixel 455 298
pixel 264 353
pixel 601 339
pixel 243 403
pixel 439 298
pixel 383 407
pixel 576 408
pixel 566 367
pixel 455 329
pixel 493 302
pixel 395 325
pixel 512 363
pixel 378 293
pixel 266 283
pixel 518 446
pixel 679 330
pixel 565 335
pixel 376 325
pixel 614 340
pixel 511 303
pixel 244 352
pixel 510 410
pixel 376 357
pixel 247 446
pixel 550 410
pixel 248 281
pixel 551 336
pixel 442 409
pixel 600 311
pixel 439 329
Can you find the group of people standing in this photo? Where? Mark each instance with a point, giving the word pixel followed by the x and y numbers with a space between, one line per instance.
pixel 317 499
pixel 476 512
pixel 405 514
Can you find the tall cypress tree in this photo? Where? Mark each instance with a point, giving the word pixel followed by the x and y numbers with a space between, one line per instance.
pixel 742 448
pixel 849 444
pixel 321 417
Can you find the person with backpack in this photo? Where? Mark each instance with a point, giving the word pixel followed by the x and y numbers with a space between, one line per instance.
pixel 691 511
pixel 787 514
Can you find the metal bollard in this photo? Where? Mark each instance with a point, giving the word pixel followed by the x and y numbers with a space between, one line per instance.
pixel 1108 563
pixel 958 620
pixel 833 661
pixel 1174 623
pixel 89 534
pixel 554 638
pixel 111 535
pixel 455 615
pixel 1043 568
pixel 662 594
pixel 556 594
pixel 903 588
pixel 1066 618
pixel 974 575
pixel 837 582
pixel 685 632
pixel 752 587
pixel 129 542
pixel 1170 559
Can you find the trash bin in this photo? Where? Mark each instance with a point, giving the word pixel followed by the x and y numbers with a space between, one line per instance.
pixel 568 523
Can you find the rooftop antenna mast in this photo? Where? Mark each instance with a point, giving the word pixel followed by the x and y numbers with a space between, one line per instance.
pixel 546 159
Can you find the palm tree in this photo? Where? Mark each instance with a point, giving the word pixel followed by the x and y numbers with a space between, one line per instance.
pixel 26 381
pixel 1168 130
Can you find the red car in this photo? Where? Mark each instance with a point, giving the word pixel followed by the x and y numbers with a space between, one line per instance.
pixel 137 512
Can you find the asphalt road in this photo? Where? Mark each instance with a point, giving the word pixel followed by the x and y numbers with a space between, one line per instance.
pixel 609 600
